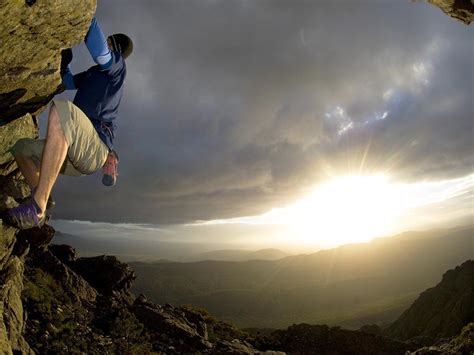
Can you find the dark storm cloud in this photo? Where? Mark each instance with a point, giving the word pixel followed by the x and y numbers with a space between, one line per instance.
pixel 234 107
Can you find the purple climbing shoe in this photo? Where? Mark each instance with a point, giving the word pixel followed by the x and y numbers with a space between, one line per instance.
pixel 50 204
pixel 25 216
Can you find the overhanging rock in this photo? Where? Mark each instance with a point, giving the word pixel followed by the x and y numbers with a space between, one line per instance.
pixel 32 34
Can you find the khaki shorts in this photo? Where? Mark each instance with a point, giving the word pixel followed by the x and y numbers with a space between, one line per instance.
pixel 86 154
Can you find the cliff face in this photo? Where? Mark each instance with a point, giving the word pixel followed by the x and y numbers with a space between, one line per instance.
pixel 32 34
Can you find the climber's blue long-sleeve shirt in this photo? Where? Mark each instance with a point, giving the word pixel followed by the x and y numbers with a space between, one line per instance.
pixel 99 89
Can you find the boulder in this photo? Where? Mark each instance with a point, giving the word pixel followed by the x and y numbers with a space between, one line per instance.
pixel 35 32
pixel 461 344
pixel 105 273
pixel 65 253
pixel 171 325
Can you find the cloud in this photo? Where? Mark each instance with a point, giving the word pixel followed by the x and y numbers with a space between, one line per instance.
pixel 226 104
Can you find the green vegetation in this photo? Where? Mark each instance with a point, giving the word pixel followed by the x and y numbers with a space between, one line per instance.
pixel 58 325
pixel 128 334
pixel 53 316
pixel 43 292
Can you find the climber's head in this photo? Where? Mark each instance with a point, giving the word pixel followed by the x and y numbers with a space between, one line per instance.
pixel 121 43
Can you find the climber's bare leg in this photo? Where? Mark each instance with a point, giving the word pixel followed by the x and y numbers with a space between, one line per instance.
pixel 54 153
pixel 29 169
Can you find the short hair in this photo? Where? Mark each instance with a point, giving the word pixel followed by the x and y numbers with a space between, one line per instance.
pixel 121 43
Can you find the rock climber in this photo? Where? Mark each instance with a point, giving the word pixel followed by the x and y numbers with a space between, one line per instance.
pixel 80 134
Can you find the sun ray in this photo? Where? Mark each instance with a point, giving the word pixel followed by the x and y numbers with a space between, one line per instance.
pixel 364 156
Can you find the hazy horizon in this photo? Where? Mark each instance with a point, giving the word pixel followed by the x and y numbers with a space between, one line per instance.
pixel 148 243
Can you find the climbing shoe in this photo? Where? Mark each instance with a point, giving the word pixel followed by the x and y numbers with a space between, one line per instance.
pixel 25 216
pixel 50 204
pixel 110 169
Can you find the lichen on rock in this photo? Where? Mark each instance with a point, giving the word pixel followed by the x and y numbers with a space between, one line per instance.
pixel 32 35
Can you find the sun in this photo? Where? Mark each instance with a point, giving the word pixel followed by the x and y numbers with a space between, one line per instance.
pixel 355 209
pixel 347 209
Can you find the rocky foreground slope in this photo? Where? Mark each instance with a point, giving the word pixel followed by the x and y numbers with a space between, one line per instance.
pixel 82 305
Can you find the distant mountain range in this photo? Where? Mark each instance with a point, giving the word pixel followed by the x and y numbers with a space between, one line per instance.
pixel 168 251
pixel 238 255
pixel 161 251
pixel 350 285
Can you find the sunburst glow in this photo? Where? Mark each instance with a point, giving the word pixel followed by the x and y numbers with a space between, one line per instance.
pixel 348 209
pixel 354 209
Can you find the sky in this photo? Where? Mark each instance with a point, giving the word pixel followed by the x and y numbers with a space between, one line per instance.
pixel 232 109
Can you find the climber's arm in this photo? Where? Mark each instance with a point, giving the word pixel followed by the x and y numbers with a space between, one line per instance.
pixel 78 79
pixel 66 75
pixel 73 82
pixel 97 45
pixel 68 80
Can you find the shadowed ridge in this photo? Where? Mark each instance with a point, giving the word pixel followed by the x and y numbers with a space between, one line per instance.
pixel 441 311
